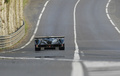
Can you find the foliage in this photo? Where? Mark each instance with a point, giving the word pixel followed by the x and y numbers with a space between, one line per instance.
pixel 7 1
pixel 25 2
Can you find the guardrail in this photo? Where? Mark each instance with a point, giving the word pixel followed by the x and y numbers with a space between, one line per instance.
pixel 9 40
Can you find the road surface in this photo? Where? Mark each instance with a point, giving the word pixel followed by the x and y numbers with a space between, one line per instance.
pixel 96 38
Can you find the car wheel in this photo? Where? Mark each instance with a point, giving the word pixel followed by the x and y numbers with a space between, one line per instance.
pixel 61 48
pixel 37 49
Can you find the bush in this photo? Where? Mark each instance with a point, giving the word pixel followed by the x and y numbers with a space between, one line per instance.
pixel 7 1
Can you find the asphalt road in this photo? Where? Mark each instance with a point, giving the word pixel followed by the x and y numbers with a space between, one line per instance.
pixel 96 36
pixel 35 68
pixel 97 39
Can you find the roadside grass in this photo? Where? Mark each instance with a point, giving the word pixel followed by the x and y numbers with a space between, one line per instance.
pixel 25 2
pixel 7 1
pixel 26 25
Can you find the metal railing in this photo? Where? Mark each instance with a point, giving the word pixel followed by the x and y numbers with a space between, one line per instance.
pixel 9 40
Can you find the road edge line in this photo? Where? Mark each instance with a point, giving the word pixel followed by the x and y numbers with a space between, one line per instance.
pixel 77 68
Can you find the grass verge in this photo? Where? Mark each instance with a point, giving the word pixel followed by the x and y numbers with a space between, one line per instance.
pixel 25 2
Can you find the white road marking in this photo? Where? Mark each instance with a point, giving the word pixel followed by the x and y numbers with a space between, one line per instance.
pixel 43 9
pixel 46 3
pixel 40 16
pixel 117 29
pixel 88 64
pixel 32 58
pixel 109 1
pixel 82 53
pixel 107 5
pixel 77 69
pixel 76 65
pixel 35 31
pixel 108 16
pixel 23 52
pixel 107 12
pixel 112 23
pixel 101 64
pixel 76 53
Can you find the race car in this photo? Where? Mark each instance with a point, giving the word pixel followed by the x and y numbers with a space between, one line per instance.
pixel 51 42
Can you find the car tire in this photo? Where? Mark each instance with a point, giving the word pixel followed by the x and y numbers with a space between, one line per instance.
pixel 61 48
pixel 37 49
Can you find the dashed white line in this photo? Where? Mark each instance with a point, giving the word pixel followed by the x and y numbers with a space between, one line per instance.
pixel 38 23
pixel 40 16
pixel 108 16
pixel 31 39
pixel 112 23
pixel 43 9
pixel 107 11
pixel 46 3
pixel 109 1
pixel 117 29
pixel 107 5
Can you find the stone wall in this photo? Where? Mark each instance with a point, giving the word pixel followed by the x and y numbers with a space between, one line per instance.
pixel 11 16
